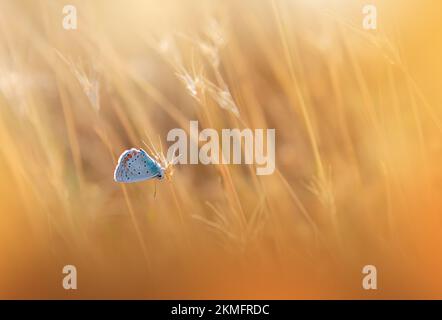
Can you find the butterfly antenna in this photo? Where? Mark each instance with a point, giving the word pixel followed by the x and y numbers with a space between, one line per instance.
pixel 155 190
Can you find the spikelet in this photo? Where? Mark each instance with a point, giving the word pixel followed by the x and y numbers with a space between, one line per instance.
pixel 166 165
pixel 88 81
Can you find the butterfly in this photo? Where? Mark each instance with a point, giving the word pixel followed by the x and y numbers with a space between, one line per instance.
pixel 136 165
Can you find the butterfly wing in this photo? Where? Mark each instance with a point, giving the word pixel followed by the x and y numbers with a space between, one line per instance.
pixel 121 173
pixel 136 165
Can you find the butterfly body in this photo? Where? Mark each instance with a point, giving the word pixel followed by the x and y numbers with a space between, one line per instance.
pixel 136 165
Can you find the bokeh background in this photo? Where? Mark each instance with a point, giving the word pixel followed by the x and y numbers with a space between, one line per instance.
pixel 358 122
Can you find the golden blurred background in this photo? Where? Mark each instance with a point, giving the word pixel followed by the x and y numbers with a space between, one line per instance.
pixel 358 122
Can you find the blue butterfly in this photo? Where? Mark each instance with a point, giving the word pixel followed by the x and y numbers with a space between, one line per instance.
pixel 136 165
